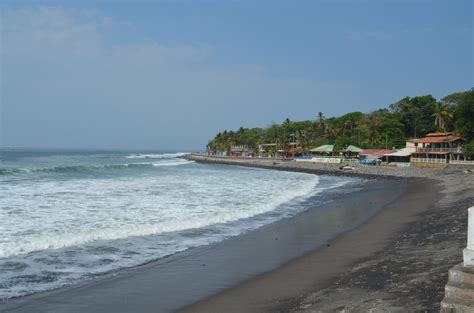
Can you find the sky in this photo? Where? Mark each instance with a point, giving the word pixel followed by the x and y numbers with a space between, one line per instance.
pixel 171 74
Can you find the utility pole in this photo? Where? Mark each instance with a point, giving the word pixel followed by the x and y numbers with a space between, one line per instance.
pixel 386 141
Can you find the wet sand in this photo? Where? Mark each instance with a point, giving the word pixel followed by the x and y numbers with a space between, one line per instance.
pixel 403 268
pixel 279 290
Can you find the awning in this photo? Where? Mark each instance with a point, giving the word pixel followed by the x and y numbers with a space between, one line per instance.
pixel 403 152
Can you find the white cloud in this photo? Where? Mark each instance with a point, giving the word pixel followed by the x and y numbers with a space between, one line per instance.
pixel 45 31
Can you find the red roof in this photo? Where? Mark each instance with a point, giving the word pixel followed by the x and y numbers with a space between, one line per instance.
pixel 375 152
pixel 438 139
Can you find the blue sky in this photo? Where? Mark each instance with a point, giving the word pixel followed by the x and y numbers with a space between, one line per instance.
pixel 169 75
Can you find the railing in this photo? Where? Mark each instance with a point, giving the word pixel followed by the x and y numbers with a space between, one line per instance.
pixel 462 162
pixel 428 160
pixel 454 150
pixel 335 160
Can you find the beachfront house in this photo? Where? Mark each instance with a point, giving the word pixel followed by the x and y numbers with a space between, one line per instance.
pixel 352 152
pixel 438 149
pixel 266 150
pixel 272 150
pixel 373 156
pixel 325 154
pixel 401 157
pixel 323 151
pixel 240 151
pixel 217 153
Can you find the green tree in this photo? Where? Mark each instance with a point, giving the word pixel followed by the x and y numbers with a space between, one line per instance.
pixel 464 115
pixel 469 149
pixel 454 98
pixel 415 114
pixel 442 115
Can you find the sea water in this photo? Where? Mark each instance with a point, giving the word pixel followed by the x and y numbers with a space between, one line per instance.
pixel 69 216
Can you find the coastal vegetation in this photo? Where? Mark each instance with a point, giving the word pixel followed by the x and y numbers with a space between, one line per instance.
pixel 410 117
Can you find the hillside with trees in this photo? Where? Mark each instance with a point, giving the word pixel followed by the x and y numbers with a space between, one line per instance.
pixel 384 128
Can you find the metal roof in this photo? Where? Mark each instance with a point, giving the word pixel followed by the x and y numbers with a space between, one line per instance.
pixel 377 153
pixel 323 148
pixel 403 152
pixel 352 148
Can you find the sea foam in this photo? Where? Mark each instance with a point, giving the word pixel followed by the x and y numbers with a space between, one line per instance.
pixel 78 220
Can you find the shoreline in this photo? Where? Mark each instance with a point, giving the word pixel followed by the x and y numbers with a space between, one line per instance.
pixel 291 287
pixel 375 279
pixel 183 278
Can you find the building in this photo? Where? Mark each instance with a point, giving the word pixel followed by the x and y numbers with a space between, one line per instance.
pixel 402 156
pixel 352 152
pixel 373 156
pixel 272 150
pixel 324 150
pixel 240 151
pixel 437 149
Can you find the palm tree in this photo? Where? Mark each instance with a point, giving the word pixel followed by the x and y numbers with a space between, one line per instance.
pixel 442 114
pixel 321 121
pixel 302 139
pixel 373 124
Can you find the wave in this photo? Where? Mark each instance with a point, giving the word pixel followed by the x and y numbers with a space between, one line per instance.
pixel 179 224
pixel 156 156
pixel 88 168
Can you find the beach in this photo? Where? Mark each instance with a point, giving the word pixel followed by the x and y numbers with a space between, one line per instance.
pixel 395 262
pixel 394 259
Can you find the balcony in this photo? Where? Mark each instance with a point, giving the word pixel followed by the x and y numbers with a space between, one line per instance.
pixel 450 150
pixel 428 160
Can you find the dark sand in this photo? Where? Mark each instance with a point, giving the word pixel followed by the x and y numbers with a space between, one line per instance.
pixel 406 274
pixel 279 290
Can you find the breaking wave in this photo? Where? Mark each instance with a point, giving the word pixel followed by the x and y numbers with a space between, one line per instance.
pixel 89 168
pixel 156 156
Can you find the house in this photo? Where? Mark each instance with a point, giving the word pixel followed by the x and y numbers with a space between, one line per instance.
pixel 269 150
pixel 322 154
pixel 324 150
pixel 402 156
pixel 437 149
pixel 240 151
pixel 266 150
pixel 373 156
pixel 352 152
pixel 217 153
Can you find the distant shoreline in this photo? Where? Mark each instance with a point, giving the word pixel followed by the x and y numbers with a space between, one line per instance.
pixel 358 170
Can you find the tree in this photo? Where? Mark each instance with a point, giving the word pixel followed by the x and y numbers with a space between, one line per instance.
pixel 390 127
pixel 374 121
pixel 415 114
pixel 321 122
pixel 464 115
pixel 469 149
pixel 442 114
pixel 453 98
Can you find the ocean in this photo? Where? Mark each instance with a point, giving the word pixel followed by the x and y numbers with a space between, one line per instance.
pixel 70 216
